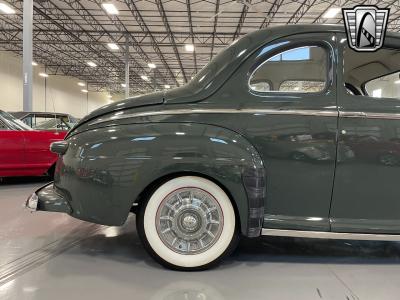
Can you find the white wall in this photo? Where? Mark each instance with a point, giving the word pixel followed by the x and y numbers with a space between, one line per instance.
pixel 62 93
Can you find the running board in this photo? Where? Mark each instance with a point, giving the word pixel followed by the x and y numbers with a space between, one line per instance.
pixel 330 235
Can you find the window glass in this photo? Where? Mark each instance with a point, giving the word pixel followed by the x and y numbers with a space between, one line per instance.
pixel 302 53
pixel 373 74
pixel 27 121
pixel 301 70
pixel 306 86
pixel 53 124
pixel 387 86
pixel 40 120
pixel 261 86
pixel 73 119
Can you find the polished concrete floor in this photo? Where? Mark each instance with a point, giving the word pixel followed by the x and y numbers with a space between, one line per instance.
pixel 53 256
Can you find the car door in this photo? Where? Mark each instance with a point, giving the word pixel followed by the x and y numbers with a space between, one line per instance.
pixel 287 99
pixel 11 151
pixel 37 153
pixel 366 196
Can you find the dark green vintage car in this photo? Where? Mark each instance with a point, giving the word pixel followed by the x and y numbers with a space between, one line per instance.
pixel 286 132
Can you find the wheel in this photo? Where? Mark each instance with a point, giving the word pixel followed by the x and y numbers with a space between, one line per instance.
pixel 188 223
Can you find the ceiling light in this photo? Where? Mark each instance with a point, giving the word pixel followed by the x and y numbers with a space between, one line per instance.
pixel 91 64
pixel 6 9
pixel 43 75
pixel 84 91
pixel 189 48
pixel 110 8
pixel 167 86
pixel 123 85
pixel 34 64
pixel 81 84
pixel 144 77
pixel 331 13
pixel 113 46
pixel 397 82
pixel 151 66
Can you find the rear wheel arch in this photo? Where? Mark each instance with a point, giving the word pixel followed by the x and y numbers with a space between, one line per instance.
pixel 237 168
pixel 151 187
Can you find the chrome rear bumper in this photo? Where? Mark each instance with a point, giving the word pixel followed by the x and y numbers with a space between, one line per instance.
pixel 47 198
pixel 32 202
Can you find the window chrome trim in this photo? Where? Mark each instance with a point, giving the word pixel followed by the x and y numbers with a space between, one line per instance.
pixel 330 235
pixel 296 112
pixel 329 66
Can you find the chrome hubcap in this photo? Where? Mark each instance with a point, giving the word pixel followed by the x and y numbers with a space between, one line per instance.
pixel 189 220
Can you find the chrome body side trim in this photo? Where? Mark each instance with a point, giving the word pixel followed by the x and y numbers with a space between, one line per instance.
pixel 387 116
pixel 295 112
pixel 352 114
pixel 330 235
pixel 300 112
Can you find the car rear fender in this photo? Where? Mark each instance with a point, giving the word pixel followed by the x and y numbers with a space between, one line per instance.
pixel 108 170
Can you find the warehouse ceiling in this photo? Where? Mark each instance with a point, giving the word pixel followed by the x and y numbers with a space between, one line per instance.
pixel 69 34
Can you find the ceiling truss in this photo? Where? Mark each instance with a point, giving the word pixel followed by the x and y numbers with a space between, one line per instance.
pixel 67 34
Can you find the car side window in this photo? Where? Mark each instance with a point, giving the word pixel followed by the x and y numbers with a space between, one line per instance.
pixel 28 120
pixel 386 86
pixel 260 86
pixel 297 70
pixel 372 74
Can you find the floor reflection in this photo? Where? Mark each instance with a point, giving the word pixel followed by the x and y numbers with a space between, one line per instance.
pixel 123 244
pixel 100 262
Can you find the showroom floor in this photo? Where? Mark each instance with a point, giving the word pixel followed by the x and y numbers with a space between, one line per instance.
pixel 53 256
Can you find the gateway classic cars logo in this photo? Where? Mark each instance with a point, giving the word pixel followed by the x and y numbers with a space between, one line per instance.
pixel 365 27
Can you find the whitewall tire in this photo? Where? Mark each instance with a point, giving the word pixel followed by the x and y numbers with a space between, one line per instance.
pixel 188 223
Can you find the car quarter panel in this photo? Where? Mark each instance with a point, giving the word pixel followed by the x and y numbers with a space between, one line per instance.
pixel 294 133
pixel 106 169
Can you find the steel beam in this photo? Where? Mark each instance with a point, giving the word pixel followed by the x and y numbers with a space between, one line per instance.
pixel 246 5
pixel 127 66
pixel 214 29
pixel 171 36
pixel 27 54
pixel 273 10
pixel 188 7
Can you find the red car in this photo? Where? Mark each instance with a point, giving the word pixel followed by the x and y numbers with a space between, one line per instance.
pixel 23 151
